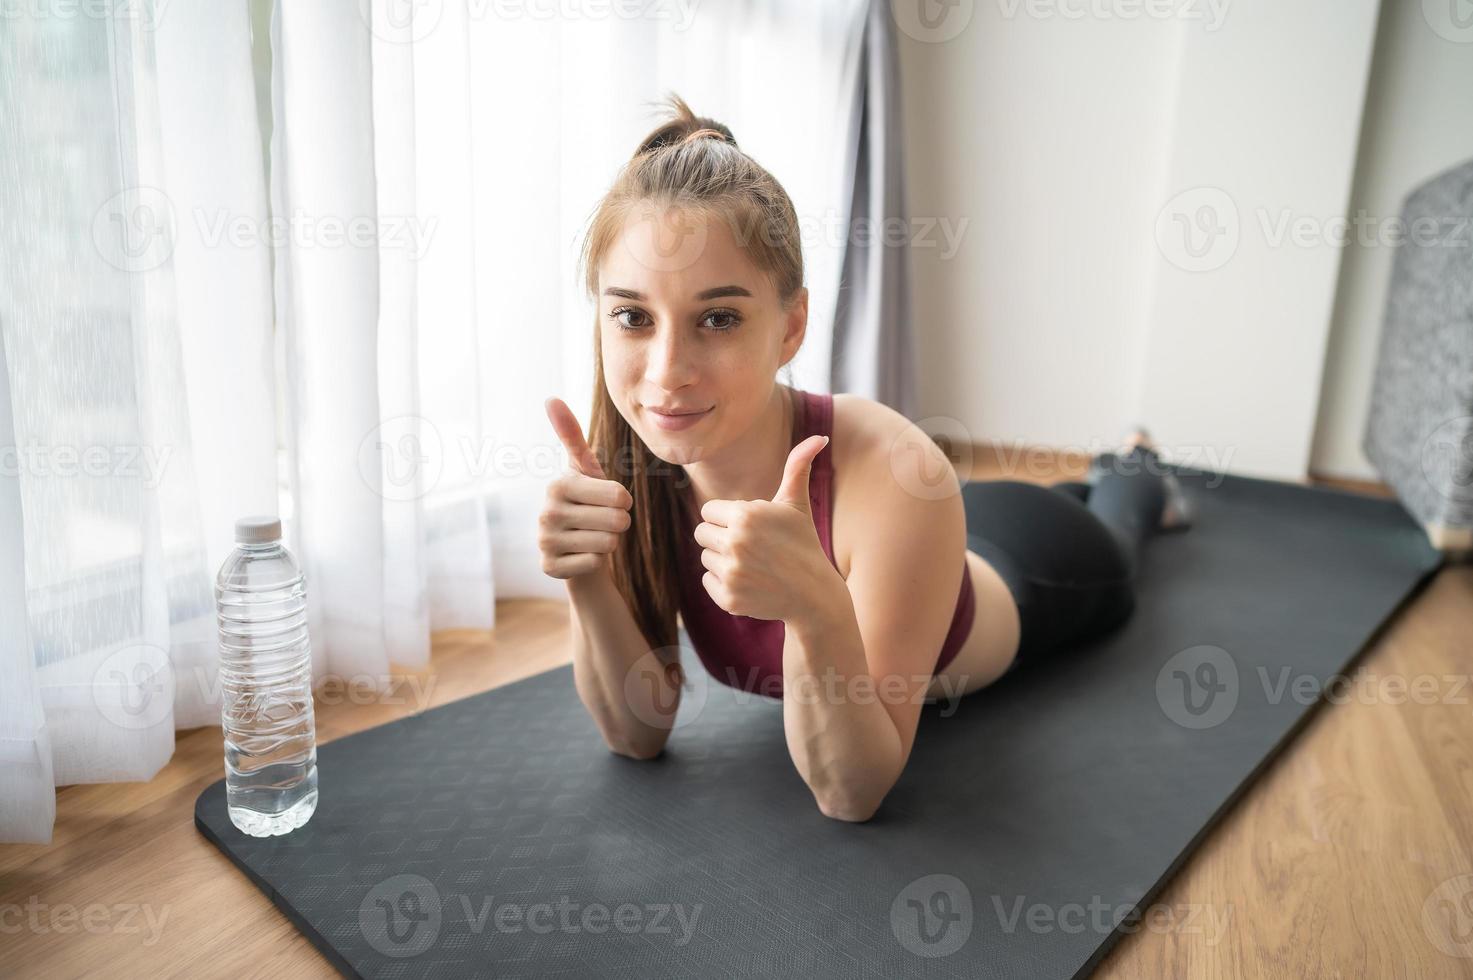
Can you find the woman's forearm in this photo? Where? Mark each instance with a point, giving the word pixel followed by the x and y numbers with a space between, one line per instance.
pixel 628 692
pixel 839 732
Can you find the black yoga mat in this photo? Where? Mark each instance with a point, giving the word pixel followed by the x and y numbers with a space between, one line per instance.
pixel 498 837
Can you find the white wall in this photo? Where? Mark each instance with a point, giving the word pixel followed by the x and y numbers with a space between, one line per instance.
pixel 1418 122
pixel 1046 137
pixel 1262 149
pixel 1065 133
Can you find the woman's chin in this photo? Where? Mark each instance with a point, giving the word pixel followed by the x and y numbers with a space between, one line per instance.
pixel 675 453
pixel 672 447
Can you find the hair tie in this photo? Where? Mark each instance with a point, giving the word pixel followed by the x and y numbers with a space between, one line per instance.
pixel 707 131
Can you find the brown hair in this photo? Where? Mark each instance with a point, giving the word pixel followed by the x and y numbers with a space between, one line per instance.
pixel 691 163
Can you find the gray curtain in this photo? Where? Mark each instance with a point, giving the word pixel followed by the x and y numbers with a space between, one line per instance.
pixel 874 336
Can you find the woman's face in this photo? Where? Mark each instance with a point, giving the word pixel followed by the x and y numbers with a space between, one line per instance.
pixel 689 325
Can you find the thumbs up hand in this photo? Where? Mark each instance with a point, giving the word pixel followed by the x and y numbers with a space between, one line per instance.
pixel 585 513
pixel 763 558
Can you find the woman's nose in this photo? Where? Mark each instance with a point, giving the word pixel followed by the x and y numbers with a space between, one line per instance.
pixel 668 359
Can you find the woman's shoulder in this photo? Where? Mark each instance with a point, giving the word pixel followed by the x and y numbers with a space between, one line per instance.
pixel 879 448
pixel 870 438
pixel 867 431
pixel 881 461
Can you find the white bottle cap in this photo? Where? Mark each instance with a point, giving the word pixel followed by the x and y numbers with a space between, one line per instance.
pixel 260 529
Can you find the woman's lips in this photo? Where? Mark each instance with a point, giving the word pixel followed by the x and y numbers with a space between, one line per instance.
pixel 674 423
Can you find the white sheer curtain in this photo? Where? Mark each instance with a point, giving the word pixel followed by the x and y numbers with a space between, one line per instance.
pixel 100 456
pixel 520 125
pixel 325 266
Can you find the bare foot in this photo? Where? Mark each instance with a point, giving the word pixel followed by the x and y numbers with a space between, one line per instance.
pixel 1139 437
pixel 1177 513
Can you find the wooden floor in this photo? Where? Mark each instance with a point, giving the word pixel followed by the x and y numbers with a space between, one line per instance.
pixel 1344 860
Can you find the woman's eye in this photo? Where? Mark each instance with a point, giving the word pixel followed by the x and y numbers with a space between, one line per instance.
pixel 618 316
pixel 629 318
pixel 721 320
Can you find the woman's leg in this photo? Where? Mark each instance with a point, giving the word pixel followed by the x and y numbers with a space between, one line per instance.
pixel 1076 489
pixel 1068 553
pixel 1129 496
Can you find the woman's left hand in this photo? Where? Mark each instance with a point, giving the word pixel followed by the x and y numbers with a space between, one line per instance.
pixel 763 558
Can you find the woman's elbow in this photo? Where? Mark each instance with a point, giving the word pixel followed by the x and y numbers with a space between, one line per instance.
pixel 632 749
pixel 850 809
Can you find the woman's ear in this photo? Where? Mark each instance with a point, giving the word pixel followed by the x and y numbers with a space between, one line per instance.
pixel 795 324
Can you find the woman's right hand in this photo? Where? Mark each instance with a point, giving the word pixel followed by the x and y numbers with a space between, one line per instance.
pixel 585 513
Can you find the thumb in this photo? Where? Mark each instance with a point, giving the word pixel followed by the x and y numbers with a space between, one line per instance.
pixel 794 488
pixel 570 434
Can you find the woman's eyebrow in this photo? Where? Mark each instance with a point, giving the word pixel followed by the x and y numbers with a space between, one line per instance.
pixel 721 291
pixel 715 292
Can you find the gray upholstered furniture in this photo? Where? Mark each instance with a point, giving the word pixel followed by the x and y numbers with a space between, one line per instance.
pixel 1419 432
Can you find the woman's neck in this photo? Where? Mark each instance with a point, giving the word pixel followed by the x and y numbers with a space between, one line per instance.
pixel 752 467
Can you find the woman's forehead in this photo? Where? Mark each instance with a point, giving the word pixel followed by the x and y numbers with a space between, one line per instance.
pixel 677 254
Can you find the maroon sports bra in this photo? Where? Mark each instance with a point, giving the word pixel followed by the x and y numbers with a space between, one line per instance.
pixel 747 653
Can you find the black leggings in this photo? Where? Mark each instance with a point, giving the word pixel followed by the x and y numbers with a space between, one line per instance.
pixel 1068 552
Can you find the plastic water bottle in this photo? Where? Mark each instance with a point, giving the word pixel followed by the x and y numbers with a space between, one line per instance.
pixel 266 683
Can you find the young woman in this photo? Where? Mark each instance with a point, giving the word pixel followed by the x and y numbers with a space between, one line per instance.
pixel 817 548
